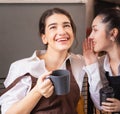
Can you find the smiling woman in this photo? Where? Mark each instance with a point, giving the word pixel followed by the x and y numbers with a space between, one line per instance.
pixel 57 30
pixel 30 91
pixel 19 29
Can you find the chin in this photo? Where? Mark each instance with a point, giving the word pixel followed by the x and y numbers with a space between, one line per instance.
pixel 96 51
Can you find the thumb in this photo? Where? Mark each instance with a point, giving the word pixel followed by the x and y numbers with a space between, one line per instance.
pixel 44 76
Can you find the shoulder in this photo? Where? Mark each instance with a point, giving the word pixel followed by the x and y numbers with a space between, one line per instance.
pixel 77 59
pixel 21 62
pixel 32 65
pixel 17 69
pixel 25 61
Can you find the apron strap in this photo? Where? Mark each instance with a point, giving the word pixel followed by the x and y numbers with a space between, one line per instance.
pixel 14 83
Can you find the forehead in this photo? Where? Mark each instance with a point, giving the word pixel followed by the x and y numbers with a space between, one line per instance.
pixel 57 18
pixel 97 22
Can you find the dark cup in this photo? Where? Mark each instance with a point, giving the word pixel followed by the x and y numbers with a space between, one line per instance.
pixel 61 81
pixel 106 92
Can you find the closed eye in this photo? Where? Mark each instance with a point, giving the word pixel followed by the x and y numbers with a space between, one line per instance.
pixel 52 27
pixel 67 25
pixel 95 30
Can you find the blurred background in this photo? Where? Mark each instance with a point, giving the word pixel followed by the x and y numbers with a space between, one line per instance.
pixel 94 6
pixel 19 20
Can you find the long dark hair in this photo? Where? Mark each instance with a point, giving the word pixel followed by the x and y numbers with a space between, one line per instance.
pixel 111 16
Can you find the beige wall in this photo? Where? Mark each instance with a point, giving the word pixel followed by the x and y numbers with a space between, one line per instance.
pixel 43 1
pixel 19 30
pixel 89 12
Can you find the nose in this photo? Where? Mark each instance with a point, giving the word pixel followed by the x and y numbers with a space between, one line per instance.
pixel 91 35
pixel 61 31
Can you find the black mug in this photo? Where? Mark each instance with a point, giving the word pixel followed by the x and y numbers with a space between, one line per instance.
pixel 61 81
pixel 106 92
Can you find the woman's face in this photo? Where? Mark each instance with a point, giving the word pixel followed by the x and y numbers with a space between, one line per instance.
pixel 58 32
pixel 101 39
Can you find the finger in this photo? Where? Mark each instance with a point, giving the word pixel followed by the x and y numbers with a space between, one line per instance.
pixel 109 104
pixel 49 92
pixel 111 99
pixel 91 44
pixel 46 84
pixel 85 44
pixel 108 109
pixel 44 75
pixel 88 43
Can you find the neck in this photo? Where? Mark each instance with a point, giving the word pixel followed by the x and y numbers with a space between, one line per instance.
pixel 54 60
pixel 114 59
pixel 114 54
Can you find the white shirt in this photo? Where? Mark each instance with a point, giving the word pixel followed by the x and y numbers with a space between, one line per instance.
pixel 36 67
pixel 107 66
pixel 102 66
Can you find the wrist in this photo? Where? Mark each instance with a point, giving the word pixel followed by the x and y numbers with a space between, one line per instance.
pixel 36 91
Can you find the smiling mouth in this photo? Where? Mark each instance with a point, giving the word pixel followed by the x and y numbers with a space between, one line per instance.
pixel 62 39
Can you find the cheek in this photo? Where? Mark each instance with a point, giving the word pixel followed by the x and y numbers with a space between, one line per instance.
pixel 98 48
pixel 72 39
pixel 99 38
pixel 50 35
pixel 72 35
pixel 101 45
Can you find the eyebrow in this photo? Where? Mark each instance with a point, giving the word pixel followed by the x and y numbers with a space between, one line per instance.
pixel 94 26
pixel 52 24
pixel 56 23
pixel 66 23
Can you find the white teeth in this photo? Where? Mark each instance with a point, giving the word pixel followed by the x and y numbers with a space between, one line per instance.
pixel 62 39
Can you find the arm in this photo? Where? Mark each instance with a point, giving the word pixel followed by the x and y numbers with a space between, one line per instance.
pixel 25 105
pixel 92 70
pixel 94 82
pixel 28 101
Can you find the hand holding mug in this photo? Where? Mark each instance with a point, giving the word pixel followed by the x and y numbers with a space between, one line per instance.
pixel 112 105
pixel 45 86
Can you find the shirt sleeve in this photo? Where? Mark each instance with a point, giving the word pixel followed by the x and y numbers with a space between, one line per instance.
pixel 15 94
pixel 95 82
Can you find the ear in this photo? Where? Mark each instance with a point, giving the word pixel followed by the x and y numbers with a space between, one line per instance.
pixel 113 33
pixel 44 39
